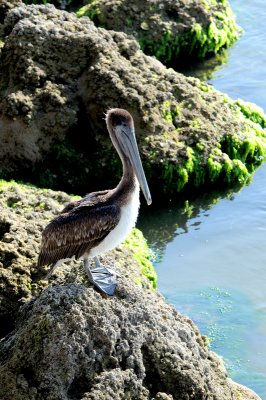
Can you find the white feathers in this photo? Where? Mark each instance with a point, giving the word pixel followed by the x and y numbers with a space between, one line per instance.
pixel 129 214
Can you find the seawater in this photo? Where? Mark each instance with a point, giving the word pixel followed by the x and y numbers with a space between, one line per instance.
pixel 210 253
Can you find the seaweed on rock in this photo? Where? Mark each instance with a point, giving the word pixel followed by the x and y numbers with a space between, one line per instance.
pixel 52 111
pixel 25 210
pixel 169 30
pixel 70 341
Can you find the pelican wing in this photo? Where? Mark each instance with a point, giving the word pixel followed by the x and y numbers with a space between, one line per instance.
pixel 75 232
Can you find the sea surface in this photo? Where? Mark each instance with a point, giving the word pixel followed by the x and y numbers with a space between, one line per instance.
pixel 210 253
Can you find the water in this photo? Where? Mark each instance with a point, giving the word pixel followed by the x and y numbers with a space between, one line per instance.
pixel 210 252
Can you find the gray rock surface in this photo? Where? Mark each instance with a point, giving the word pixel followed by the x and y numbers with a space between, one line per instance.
pixel 63 339
pixel 171 30
pixel 61 74
pixel 71 342
pixel 24 212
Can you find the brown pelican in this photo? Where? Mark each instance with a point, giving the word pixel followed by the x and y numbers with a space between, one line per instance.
pixel 101 220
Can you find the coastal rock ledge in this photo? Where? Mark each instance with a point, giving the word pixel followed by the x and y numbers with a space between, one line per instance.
pixel 71 342
pixel 59 76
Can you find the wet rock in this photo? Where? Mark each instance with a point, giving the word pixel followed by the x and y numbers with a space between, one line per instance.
pixel 60 76
pixel 171 30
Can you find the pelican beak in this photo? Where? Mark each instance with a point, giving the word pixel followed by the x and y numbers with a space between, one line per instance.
pixel 130 147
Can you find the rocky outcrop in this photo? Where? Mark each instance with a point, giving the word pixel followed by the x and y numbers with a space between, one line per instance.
pixel 24 213
pixel 71 342
pixel 173 31
pixel 7 5
pixel 62 74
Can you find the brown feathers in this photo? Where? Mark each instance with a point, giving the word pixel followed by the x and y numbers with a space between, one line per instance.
pixel 80 227
pixel 83 225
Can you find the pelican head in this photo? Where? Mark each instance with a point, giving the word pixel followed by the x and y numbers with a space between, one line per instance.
pixel 121 129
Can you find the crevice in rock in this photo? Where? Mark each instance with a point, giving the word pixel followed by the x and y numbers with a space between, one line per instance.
pixel 12 201
pixel 152 380
pixel 4 228
pixel 78 387
pixel 7 324
pixel 29 376
pixel 6 258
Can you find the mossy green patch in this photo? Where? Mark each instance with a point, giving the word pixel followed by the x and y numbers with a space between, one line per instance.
pixel 252 112
pixel 197 41
pixel 214 168
pixel 233 159
pixel 250 149
pixel 142 254
pixel 36 1
pixel 7 185
pixel 170 112
pixel 92 11
pixel 189 169
pixel 221 32
pixel 4 185
pixel 219 168
pixel 89 10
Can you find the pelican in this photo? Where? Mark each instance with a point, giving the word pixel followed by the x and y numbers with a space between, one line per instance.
pixel 101 220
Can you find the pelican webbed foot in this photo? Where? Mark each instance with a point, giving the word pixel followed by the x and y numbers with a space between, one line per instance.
pixel 102 277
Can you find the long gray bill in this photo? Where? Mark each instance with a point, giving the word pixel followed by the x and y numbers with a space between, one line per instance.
pixel 133 153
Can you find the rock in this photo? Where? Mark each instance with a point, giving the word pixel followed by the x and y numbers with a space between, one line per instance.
pixel 168 29
pixel 71 342
pixel 24 213
pixel 7 5
pixel 52 108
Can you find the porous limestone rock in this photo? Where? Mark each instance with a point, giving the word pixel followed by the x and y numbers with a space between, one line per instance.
pixel 172 30
pixel 74 343
pixel 63 340
pixel 59 76
pixel 24 213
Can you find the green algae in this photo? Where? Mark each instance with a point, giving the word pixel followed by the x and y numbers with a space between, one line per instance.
pixel 229 167
pixel 214 168
pixel 252 112
pixel 170 111
pixel 234 158
pixel 198 41
pixel 10 185
pixel 142 254
pixel 220 33
pixel 90 10
pixel 135 241
pixel 36 1
pixel 4 185
pixel 176 176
